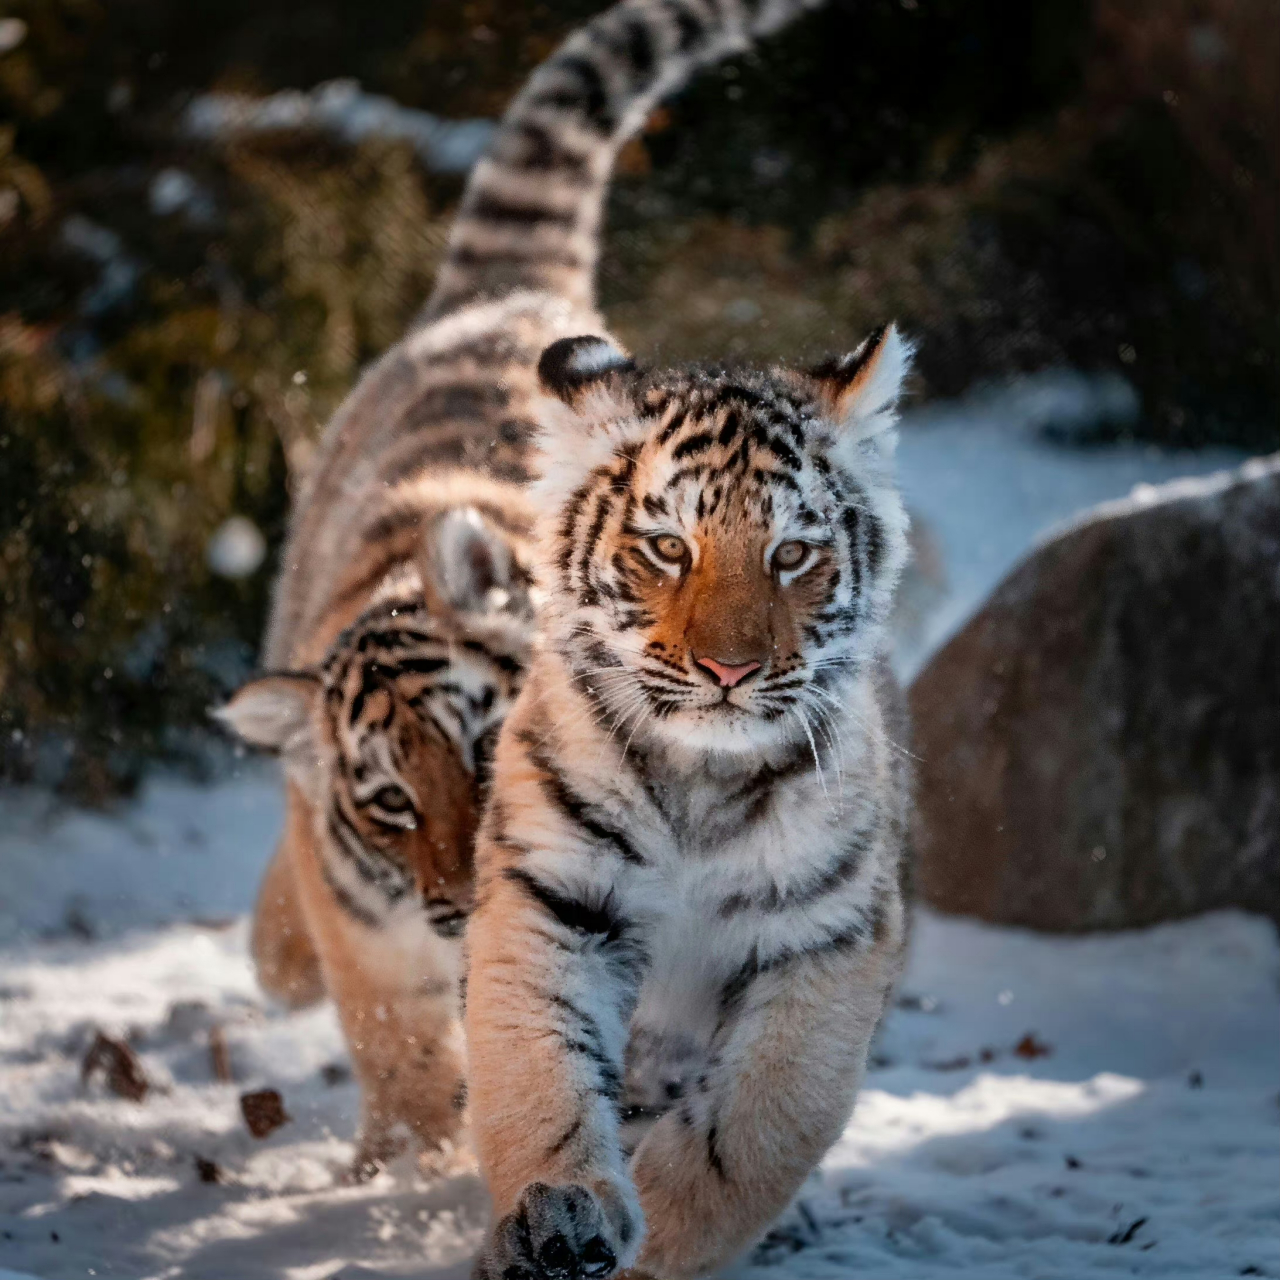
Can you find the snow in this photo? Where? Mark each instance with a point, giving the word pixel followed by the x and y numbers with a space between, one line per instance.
pixel 344 109
pixel 984 479
pixel 1037 1107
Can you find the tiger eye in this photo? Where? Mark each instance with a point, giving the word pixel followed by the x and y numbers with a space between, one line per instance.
pixel 789 554
pixel 393 799
pixel 666 546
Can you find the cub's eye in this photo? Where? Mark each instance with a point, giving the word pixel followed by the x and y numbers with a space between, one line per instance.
pixel 790 554
pixel 392 799
pixel 667 547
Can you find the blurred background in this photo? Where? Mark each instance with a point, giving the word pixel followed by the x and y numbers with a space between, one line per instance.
pixel 213 214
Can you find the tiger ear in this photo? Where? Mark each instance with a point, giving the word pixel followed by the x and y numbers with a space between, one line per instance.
pixel 860 391
pixel 466 563
pixel 572 367
pixel 274 711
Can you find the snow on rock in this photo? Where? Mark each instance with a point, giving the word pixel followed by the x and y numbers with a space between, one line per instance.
pixel 344 109
pixel 987 483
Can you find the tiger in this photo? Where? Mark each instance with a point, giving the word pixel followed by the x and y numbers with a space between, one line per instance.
pixel 692 902
pixel 402 619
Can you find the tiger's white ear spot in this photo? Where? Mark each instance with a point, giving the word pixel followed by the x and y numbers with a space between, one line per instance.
pixel 860 391
pixel 568 367
pixel 272 712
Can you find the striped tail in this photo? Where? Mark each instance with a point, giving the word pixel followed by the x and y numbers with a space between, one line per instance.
pixel 531 214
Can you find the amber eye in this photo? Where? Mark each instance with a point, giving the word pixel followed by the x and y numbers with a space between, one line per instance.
pixel 392 800
pixel 790 554
pixel 667 547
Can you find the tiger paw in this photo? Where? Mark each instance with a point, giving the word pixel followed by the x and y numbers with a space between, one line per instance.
pixel 555 1233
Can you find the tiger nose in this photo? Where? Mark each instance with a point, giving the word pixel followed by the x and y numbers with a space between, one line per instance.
pixel 726 674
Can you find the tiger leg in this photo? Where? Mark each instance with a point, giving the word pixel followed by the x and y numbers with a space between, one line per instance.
pixel 395 986
pixel 717 1169
pixel 283 955
pixel 407 1050
pixel 546 1031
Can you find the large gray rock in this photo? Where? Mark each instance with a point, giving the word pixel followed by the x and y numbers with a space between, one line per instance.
pixel 1101 744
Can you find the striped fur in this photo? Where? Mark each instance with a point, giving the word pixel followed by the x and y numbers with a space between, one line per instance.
pixel 408 546
pixel 691 906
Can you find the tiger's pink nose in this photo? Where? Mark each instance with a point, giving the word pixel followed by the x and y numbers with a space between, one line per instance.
pixel 726 674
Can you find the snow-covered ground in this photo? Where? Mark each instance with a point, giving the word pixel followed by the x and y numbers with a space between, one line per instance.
pixel 1041 1107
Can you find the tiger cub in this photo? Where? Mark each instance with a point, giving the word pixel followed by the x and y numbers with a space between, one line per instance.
pixel 402 621
pixel 690 907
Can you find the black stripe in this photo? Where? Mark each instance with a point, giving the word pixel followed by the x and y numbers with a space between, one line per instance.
pixel 604 508
pixel 601 920
pixel 852 936
pixel 677 421
pixel 347 902
pixel 587 1040
pixel 419 666
pixel 836 876
pixel 713 1152
pixel 692 445
pixel 689 26
pixel 383 875
pixel 491 207
pixel 590 99
pixel 569 522
pixel 491 348
pixel 850 518
pixel 655 506
pixel 564 1139
pixel 523 253
pixel 463 401
pixel 874 537
pixel 640 51
pixel 785 479
pixel 730 392
pixel 574 807
pixel 695 471
pixel 545 149
pixel 781 449
pixel 504 662
pixel 735 989
pixel 631 619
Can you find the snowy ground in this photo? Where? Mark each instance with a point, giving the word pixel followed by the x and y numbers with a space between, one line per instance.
pixel 1038 1107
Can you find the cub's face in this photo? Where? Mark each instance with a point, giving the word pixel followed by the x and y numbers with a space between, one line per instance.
pixel 404 731
pixel 389 738
pixel 720 550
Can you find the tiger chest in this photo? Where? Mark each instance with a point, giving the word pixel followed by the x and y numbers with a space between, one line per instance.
pixel 691 959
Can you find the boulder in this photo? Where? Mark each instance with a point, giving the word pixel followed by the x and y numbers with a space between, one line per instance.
pixel 1100 744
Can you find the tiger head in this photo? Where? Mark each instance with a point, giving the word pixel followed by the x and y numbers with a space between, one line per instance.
pixel 388 738
pixel 719 549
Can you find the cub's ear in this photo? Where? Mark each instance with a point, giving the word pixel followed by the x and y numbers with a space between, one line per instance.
pixel 571 367
pixel 467 564
pixel 273 711
pixel 860 391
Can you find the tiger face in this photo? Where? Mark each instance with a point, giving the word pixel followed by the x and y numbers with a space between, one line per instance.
pixel 405 730
pixel 719 550
pixel 389 740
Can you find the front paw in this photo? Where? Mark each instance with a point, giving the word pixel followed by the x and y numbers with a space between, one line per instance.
pixel 554 1233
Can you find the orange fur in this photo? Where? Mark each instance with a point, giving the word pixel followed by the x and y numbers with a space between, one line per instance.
pixel 400 1024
